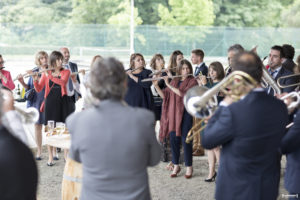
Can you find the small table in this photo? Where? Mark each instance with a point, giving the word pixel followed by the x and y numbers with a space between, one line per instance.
pixel 60 141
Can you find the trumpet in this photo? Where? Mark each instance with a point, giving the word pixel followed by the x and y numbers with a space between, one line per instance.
pixel 29 116
pixel 162 77
pixel 201 102
pixel 288 76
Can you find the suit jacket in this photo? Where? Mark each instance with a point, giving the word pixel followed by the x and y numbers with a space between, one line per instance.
pixel 115 143
pixel 286 81
pixel 289 64
pixel 250 132
pixel 74 68
pixel 290 145
pixel 203 68
pixel 10 83
pixel 18 171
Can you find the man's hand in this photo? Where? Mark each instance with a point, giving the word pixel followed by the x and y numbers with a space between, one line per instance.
pixel 74 78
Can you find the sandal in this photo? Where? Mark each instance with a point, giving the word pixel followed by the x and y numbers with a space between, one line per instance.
pixel 170 166
pixel 38 158
pixel 50 164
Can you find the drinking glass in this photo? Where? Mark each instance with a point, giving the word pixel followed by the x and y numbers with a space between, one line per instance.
pixel 60 127
pixel 50 125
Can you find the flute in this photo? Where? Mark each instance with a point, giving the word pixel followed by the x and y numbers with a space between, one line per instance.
pixel 75 73
pixel 40 72
pixel 162 77
pixel 23 75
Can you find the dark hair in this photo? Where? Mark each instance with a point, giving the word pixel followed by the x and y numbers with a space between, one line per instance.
pixel 185 62
pixel 218 67
pixel 107 79
pixel 198 52
pixel 278 48
pixel 153 60
pixel 288 51
pixel 172 61
pixel 132 58
pixel 237 48
pixel 54 56
pixel 95 58
pixel 250 63
pixel 0 56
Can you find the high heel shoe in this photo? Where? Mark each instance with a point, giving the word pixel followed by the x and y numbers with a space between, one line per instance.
pixel 189 176
pixel 213 178
pixel 175 175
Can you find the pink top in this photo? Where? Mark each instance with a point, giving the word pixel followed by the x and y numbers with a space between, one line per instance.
pixel 9 84
pixel 62 81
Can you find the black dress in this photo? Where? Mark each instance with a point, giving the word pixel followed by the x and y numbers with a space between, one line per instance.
pixel 56 107
pixel 157 99
pixel 139 93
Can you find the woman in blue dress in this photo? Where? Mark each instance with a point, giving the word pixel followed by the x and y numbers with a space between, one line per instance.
pixel 35 100
pixel 139 93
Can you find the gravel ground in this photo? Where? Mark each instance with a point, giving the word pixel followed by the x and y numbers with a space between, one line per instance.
pixel 161 185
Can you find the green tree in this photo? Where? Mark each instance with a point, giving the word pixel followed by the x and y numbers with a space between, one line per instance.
pixel 187 13
pixel 94 11
pixel 35 11
pixel 148 10
pixel 291 15
pixel 248 13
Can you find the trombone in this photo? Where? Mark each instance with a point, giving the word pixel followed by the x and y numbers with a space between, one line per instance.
pixel 201 102
pixel 288 76
pixel 268 80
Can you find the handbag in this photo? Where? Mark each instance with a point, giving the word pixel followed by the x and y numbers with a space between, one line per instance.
pixel 29 94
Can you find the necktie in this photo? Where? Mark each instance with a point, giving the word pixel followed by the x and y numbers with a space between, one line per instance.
pixel 70 81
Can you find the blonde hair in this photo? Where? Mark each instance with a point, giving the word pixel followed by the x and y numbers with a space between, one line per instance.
pixel 38 57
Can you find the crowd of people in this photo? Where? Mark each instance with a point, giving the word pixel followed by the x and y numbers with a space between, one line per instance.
pixel 115 139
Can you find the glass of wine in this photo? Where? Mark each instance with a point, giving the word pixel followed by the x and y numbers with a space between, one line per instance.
pixel 50 125
pixel 60 127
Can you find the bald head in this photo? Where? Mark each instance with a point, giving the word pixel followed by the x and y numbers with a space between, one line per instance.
pixel 66 53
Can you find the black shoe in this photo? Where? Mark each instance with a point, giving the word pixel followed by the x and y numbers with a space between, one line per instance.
pixel 38 158
pixel 58 150
pixel 50 164
pixel 55 158
pixel 212 178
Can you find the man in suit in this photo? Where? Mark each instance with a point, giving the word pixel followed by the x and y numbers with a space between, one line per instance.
pixel 114 142
pixel 18 170
pixel 73 86
pixel 276 70
pixel 197 59
pixel 290 145
pixel 231 52
pixel 250 132
pixel 288 56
